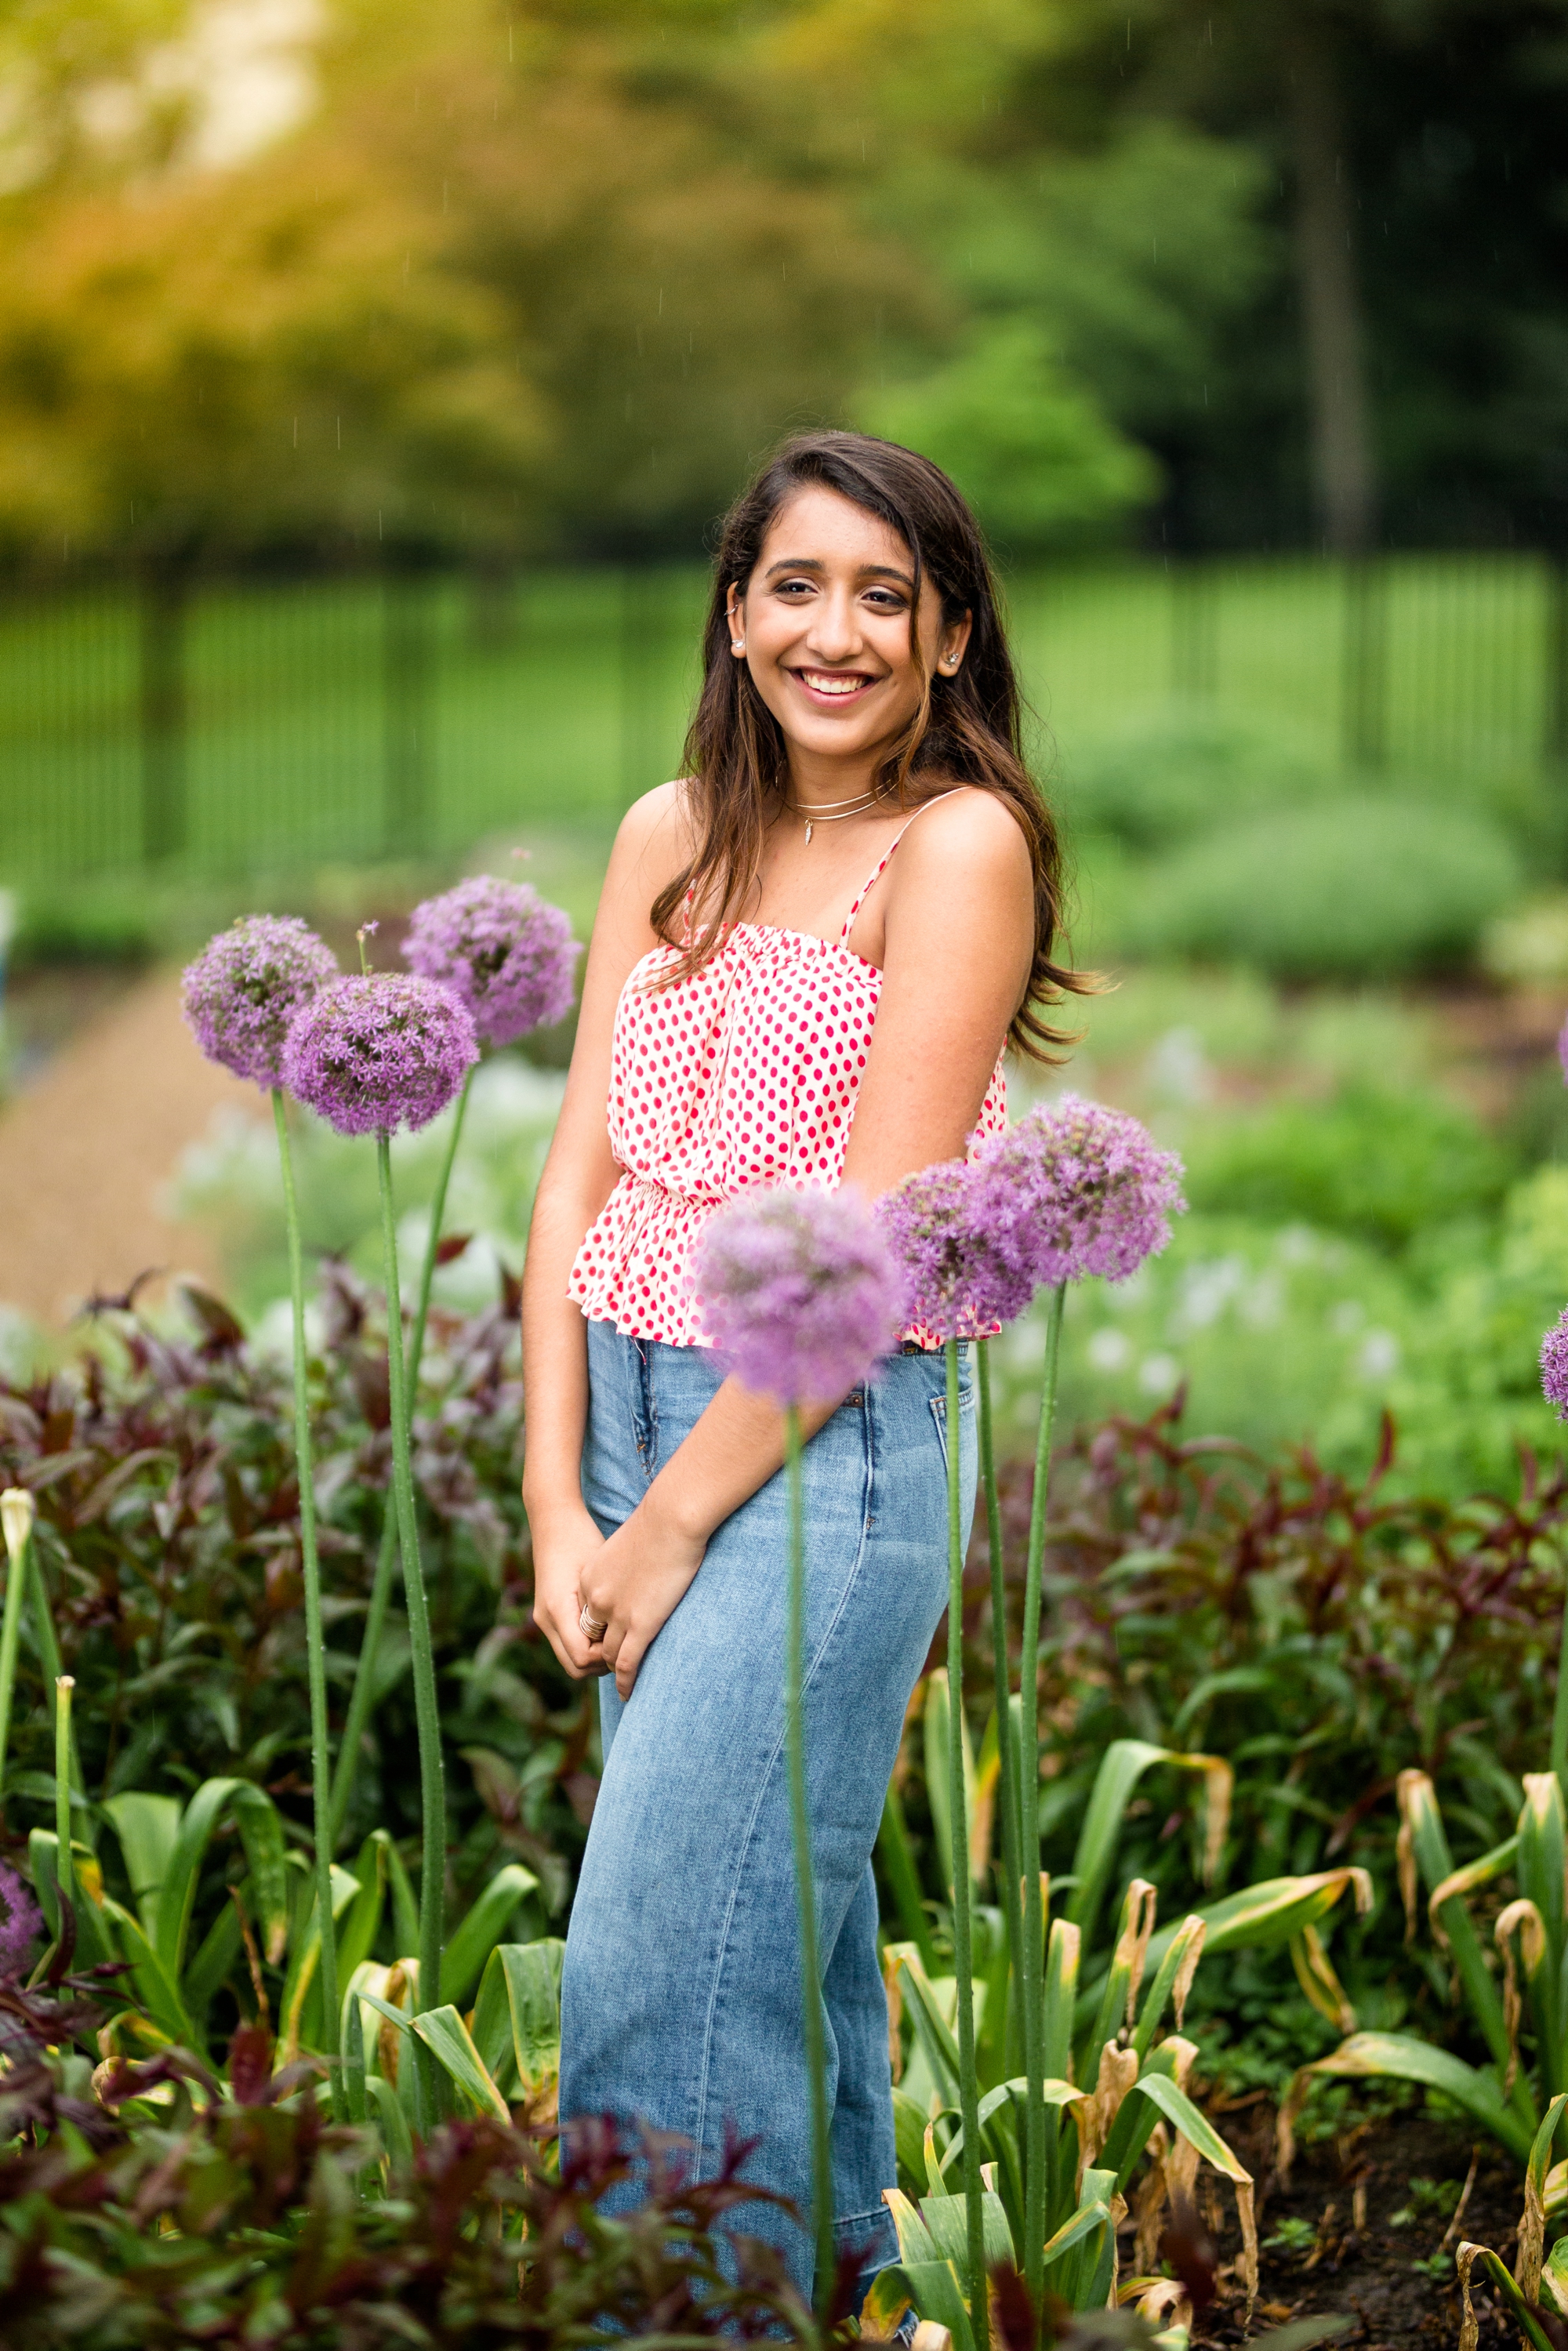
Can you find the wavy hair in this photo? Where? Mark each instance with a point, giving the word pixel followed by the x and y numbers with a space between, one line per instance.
pixel 966 728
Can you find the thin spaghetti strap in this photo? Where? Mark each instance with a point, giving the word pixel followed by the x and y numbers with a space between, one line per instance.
pixel 885 860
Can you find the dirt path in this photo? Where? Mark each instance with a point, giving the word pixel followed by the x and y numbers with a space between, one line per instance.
pixel 86 1151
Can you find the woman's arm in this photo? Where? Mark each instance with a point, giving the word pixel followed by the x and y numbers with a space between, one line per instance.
pixel 579 1175
pixel 959 929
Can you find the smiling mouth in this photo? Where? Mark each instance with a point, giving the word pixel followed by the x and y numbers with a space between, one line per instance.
pixel 840 684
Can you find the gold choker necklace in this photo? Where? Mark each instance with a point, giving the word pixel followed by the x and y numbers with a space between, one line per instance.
pixel 820 814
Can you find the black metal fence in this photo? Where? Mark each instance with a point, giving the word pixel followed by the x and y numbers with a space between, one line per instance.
pixel 227 725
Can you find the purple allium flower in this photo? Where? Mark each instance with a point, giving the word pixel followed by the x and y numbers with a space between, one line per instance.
pixel 800 1291
pixel 952 1227
pixel 246 987
pixel 1075 1190
pixel 20 1924
pixel 1554 1365
pixel 505 951
pixel 379 1051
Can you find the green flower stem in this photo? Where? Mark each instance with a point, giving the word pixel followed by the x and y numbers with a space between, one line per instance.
pixel 963 1956
pixel 64 1868
pixel 1028 1822
pixel 1560 1708
pixel 1007 1760
pixel 427 1711
pixel 16 1547
pixel 806 1892
pixel 48 1649
pixel 361 1697
pixel 315 1637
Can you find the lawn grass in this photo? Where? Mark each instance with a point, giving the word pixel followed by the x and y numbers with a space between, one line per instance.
pixel 317 728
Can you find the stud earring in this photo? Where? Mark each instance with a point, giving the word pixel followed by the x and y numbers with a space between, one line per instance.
pixel 737 644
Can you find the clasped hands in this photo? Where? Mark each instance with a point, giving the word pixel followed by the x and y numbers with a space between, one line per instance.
pixel 631 1583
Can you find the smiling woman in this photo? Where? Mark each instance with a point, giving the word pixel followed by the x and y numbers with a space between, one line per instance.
pixel 773 996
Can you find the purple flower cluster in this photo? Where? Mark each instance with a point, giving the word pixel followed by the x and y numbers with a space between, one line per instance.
pixel 965 1272
pixel 503 949
pixel 20 1925
pixel 800 1291
pixel 1073 1189
pixel 381 1051
pixel 1554 1365
pixel 246 987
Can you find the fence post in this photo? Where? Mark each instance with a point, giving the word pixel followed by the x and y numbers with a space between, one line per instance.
pixel 406 701
pixel 639 611
pixel 1195 628
pixel 1366 679
pixel 162 655
pixel 1556 746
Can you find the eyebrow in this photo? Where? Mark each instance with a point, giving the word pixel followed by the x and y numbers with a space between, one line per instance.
pixel 814 563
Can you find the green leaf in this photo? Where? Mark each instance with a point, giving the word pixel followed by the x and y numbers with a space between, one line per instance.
pixel 931 2028
pixel 1502 2278
pixel 470 1946
pixel 260 1827
pixel 448 2039
pixel 364 1916
pixel 532 1974
pixel 1399 2056
pixel 937 2294
pixel 159 1994
pixel 909 2138
pixel 177 1894
pixel 1194 2125
pixel 405 1909
pixel 1092 2215
pixel 915 2243
pixel 396 2137
pixel 946 2219
pixel 148 1828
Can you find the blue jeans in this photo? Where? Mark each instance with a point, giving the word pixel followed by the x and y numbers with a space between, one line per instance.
pixel 681 1992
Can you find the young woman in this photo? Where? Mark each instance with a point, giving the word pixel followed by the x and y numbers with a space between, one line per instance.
pixel 773 996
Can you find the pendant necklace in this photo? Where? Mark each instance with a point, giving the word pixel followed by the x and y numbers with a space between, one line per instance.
pixel 820 814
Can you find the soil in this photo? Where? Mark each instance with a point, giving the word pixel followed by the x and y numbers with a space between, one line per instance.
pixel 1346 2191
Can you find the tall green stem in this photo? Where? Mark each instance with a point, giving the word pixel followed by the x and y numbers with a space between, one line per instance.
pixel 65 1865
pixel 315 1638
pixel 427 1712
pixel 963 1956
pixel 1007 1753
pixel 1029 1821
pixel 363 1694
pixel 805 1883
pixel 1560 1708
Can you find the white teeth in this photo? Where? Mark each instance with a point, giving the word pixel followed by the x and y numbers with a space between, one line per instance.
pixel 824 683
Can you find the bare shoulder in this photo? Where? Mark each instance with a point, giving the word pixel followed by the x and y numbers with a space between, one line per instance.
pixel 969 839
pixel 652 841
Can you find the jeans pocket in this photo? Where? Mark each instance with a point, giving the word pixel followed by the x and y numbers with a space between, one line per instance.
pixel 966 1421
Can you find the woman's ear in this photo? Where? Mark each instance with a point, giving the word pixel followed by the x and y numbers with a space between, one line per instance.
pixel 953 643
pixel 735 613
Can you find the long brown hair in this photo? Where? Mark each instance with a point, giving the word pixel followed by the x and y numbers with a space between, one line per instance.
pixel 966 728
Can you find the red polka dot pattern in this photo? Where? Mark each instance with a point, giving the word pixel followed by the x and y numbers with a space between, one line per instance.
pixel 744 1073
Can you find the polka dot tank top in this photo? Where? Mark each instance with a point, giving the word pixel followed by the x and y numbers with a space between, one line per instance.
pixel 744 1073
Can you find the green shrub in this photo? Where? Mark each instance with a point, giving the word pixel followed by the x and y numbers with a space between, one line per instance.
pixel 1161 780
pixel 1382 1164
pixel 1358 889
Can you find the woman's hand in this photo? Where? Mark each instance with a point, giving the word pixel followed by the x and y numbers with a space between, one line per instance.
pixel 565 1545
pixel 634 1582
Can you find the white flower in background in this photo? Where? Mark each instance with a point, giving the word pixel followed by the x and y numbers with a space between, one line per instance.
pixel 1110 1350
pixel 1158 1375
pixel 1378 1357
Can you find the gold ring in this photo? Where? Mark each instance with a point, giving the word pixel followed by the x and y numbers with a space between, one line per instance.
pixel 593 1628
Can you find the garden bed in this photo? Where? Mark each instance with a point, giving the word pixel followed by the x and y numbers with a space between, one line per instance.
pixel 1359 2228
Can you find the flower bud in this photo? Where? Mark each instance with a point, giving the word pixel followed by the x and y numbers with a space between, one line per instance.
pixel 17 1515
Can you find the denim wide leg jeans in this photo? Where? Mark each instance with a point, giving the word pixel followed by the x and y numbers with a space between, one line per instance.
pixel 681 1992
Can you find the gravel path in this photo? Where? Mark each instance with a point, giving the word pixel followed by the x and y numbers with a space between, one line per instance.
pixel 85 1150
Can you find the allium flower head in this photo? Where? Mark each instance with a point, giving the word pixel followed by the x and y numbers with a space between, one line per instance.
pixel 1554 1365
pixel 1075 1190
pixel 954 1233
pixel 800 1291
pixel 379 1051
pixel 246 987
pixel 20 1924
pixel 503 949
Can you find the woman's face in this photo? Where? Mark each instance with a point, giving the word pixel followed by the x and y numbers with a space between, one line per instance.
pixel 823 627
